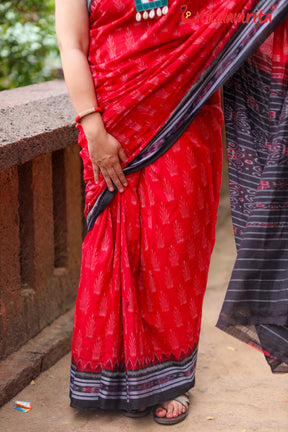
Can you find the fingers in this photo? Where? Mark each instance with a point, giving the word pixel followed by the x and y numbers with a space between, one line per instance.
pixel 122 154
pixel 107 179
pixel 106 156
pixel 120 176
pixel 114 175
pixel 96 172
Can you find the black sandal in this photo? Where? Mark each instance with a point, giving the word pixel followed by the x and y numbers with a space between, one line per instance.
pixel 136 413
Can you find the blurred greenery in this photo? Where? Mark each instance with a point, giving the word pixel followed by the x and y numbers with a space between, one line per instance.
pixel 28 47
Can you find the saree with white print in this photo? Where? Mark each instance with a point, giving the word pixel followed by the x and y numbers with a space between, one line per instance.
pixel 157 69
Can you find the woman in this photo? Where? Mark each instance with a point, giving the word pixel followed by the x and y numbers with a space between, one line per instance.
pixel 146 257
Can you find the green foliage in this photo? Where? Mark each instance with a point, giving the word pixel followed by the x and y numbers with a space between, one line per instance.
pixel 28 48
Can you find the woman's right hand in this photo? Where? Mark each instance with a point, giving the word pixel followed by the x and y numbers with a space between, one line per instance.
pixel 106 154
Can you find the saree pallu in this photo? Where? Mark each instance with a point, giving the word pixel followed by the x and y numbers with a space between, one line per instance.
pixel 146 255
pixel 256 118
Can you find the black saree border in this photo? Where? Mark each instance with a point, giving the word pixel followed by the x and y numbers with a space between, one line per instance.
pixel 133 389
pixel 241 46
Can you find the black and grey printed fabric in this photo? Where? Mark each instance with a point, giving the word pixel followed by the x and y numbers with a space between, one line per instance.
pixel 256 118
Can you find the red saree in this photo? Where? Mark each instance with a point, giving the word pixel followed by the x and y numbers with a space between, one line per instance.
pixel 145 261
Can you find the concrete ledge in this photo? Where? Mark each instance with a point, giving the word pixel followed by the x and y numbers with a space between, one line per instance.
pixel 32 122
pixel 40 353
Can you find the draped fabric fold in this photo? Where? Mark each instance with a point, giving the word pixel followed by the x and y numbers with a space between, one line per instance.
pixel 256 118
pixel 147 253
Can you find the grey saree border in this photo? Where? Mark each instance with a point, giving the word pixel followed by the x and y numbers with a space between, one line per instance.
pixel 243 44
pixel 146 387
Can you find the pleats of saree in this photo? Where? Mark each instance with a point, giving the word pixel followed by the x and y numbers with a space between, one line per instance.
pixel 143 277
pixel 256 117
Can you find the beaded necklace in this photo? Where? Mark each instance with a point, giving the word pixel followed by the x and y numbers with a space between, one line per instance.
pixel 150 8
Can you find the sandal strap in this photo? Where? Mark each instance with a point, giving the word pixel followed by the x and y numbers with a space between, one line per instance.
pixel 184 400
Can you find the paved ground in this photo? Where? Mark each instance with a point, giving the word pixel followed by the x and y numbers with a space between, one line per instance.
pixel 235 390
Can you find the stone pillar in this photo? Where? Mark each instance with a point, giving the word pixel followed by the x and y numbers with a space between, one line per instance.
pixel 12 326
pixel 67 222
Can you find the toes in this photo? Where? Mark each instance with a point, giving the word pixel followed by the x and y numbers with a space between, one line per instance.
pixel 169 413
pixel 170 409
pixel 173 410
pixel 160 412
pixel 176 409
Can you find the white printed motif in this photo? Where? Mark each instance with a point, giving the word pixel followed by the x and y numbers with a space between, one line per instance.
pixel 103 306
pixel 111 325
pixel 159 237
pixel 96 353
pixel 164 304
pixel 111 46
pixel 179 232
pixel 169 190
pixel 168 278
pixel 173 257
pixel 164 213
pixel 132 346
pixel 119 4
pixel 129 39
pixel 90 327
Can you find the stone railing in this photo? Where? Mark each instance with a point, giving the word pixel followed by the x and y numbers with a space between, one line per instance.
pixel 41 202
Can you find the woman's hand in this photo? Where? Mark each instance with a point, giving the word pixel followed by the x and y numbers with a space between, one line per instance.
pixel 106 154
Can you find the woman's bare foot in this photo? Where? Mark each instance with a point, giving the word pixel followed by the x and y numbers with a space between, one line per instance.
pixel 170 409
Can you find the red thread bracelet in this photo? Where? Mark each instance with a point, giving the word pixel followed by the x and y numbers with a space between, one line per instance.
pixel 87 112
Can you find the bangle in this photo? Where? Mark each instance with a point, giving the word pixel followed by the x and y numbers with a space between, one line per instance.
pixel 87 112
